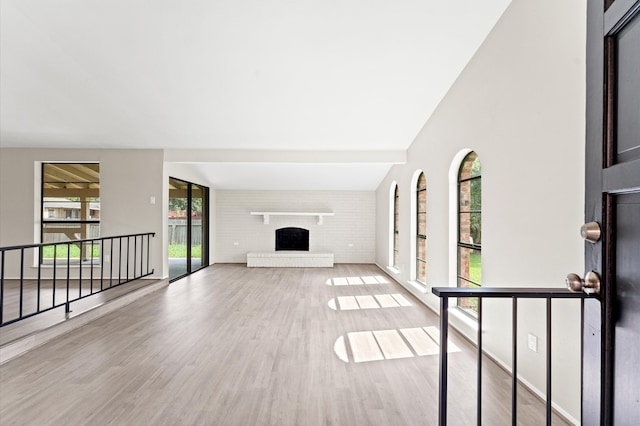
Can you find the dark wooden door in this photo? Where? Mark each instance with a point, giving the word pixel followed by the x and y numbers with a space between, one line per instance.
pixel 611 362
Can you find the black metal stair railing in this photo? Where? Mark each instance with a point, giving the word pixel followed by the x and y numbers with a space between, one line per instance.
pixel 92 268
pixel 444 293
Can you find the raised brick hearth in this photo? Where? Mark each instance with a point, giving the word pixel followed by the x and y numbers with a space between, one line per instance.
pixel 289 259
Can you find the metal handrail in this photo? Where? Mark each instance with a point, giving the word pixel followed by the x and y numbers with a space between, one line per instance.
pixel 124 260
pixel 444 293
pixel 75 242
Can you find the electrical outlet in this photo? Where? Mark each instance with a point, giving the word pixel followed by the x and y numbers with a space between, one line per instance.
pixel 532 342
pixel 107 258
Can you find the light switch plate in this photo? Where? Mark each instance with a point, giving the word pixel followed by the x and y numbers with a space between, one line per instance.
pixel 532 342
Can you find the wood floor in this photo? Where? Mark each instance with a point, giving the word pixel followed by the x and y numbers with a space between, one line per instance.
pixel 232 345
pixel 47 318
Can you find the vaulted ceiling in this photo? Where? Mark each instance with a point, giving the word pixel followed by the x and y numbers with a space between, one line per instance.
pixel 244 75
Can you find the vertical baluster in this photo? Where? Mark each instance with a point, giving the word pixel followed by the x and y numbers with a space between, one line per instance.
pixel 548 361
pixel 444 328
pixel 479 381
pixel 111 265
pixel 135 251
pixel 128 243
pixel 66 305
pixel 101 264
pixel 21 279
pixel 2 289
pixel 91 273
pixel 120 261
pixel 39 277
pixel 514 355
pixel 141 254
pixel 55 262
pixel 79 271
pixel 148 250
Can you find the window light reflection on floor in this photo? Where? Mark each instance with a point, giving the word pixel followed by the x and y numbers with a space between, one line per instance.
pixel 368 280
pixel 378 345
pixel 376 301
pixel 341 349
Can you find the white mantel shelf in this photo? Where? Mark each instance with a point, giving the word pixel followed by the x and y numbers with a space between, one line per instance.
pixel 266 215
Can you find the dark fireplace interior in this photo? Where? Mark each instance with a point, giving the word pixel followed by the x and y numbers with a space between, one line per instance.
pixel 292 239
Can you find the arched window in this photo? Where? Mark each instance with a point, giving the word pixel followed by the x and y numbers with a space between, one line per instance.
pixel 396 221
pixel 421 229
pixel 469 228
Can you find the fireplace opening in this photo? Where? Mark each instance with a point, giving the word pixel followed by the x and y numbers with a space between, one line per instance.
pixel 292 239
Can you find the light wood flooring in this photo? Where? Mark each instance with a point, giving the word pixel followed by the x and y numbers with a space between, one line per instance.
pixel 11 302
pixel 232 345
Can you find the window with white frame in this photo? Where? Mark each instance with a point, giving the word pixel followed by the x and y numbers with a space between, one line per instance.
pixel 70 209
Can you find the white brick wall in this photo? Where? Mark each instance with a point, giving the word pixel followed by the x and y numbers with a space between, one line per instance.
pixel 353 223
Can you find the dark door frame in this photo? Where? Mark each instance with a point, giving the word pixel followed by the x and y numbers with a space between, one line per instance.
pixel 606 177
pixel 205 227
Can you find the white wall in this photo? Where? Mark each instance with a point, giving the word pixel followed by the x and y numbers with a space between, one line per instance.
pixel 128 179
pixel 353 223
pixel 520 104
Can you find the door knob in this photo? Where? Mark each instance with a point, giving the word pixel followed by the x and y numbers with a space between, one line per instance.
pixel 590 284
pixel 591 232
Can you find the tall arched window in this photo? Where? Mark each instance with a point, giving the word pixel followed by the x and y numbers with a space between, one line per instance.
pixel 421 229
pixel 396 221
pixel 469 228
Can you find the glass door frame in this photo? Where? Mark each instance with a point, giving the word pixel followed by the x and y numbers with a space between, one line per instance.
pixel 205 227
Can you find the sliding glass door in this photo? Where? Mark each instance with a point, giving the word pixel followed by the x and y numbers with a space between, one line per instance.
pixel 197 226
pixel 188 228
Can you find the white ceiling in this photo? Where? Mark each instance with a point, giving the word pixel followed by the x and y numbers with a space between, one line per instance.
pixel 336 75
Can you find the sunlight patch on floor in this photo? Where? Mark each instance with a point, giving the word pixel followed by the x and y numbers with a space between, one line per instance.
pixel 364 347
pixel 368 280
pixel 367 302
pixel 378 345
pixel 392 345
pixel 420 341
pixel 376 301
pixel 341 349
pixel 435 335
pixel 355 281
